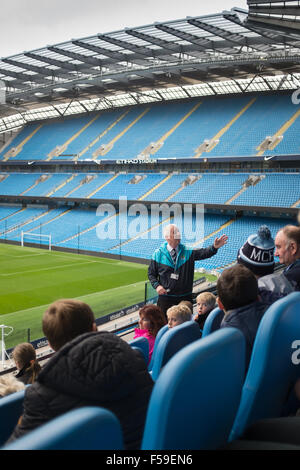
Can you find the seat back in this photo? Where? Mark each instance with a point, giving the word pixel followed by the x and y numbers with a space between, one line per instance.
pixel 272 372
pixel 196 396
pixel 142 344
pixel 213 321
pixel 86 428
pixel 159 335
pixel 171 342
pixel 11 408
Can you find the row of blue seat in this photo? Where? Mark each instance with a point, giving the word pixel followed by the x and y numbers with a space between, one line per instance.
pixel 239 124
pixel 274 189
pixel 201 398
pixel 86 229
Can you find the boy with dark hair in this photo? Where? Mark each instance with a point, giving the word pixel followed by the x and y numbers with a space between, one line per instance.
pixel 238 297
pixel 90 368
pixel 65 319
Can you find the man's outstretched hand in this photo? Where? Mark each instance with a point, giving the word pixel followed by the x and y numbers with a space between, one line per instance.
pixel 220 241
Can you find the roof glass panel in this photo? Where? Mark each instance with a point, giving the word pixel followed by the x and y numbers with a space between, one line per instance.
pixel 258 84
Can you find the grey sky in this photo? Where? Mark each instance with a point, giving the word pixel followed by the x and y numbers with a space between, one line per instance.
pixel 30 24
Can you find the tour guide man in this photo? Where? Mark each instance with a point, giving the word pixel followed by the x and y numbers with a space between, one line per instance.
pixel 171 270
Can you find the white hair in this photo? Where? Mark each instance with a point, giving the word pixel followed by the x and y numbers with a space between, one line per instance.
pixel 9 384
pixel 167 231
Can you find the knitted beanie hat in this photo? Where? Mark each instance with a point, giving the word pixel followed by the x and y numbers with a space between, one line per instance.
pixel 257 254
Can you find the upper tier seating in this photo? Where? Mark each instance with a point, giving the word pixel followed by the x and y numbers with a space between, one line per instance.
pixel 19 140
pixel 206 127
pixel 87 141
pixel 263 118
pixel 151 127
pixel 50 136
pixel 204 123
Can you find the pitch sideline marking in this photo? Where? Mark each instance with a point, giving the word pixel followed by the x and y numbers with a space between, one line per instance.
pixel 47 269
pixel 99 260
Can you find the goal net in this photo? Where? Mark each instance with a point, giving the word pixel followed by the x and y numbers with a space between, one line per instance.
pixel 36 238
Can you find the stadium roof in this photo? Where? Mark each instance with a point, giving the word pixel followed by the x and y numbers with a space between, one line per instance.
pixel 209 55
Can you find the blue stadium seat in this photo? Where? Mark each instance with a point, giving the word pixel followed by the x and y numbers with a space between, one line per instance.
pixel 171 342
pixel 142 344
pixel 86 428
pixel 11 408
pixel 159 335
pixel 196 396
pixel 271 372
pixel 213 321
pixel 131 134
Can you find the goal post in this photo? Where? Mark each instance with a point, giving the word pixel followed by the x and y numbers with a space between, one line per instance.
pixel 28 237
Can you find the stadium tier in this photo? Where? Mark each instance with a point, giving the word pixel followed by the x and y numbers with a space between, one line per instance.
pixel 18 182
pixel 104 141
pixel 130 185
pixel 6 211
pixel 250 189
pixel 127 235
pixel 214 127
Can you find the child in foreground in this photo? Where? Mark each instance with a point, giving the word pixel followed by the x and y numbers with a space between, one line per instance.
pixel 89 368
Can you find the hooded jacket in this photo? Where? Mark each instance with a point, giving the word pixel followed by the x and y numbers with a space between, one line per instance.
pixel 292 272
pixel 273 287
pixel 246 319
pixel 162 267
pixel 94 369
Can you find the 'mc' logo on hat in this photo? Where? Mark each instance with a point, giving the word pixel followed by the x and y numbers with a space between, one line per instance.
pixel 262 256
pixel 257 253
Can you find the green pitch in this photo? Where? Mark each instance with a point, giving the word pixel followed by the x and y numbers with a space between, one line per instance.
pixel 32 278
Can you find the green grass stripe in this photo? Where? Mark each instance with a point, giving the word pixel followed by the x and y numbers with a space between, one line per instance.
pixel 102 303
pixel 28 280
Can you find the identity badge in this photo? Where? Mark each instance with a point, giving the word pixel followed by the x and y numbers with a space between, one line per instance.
pixel 175 276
